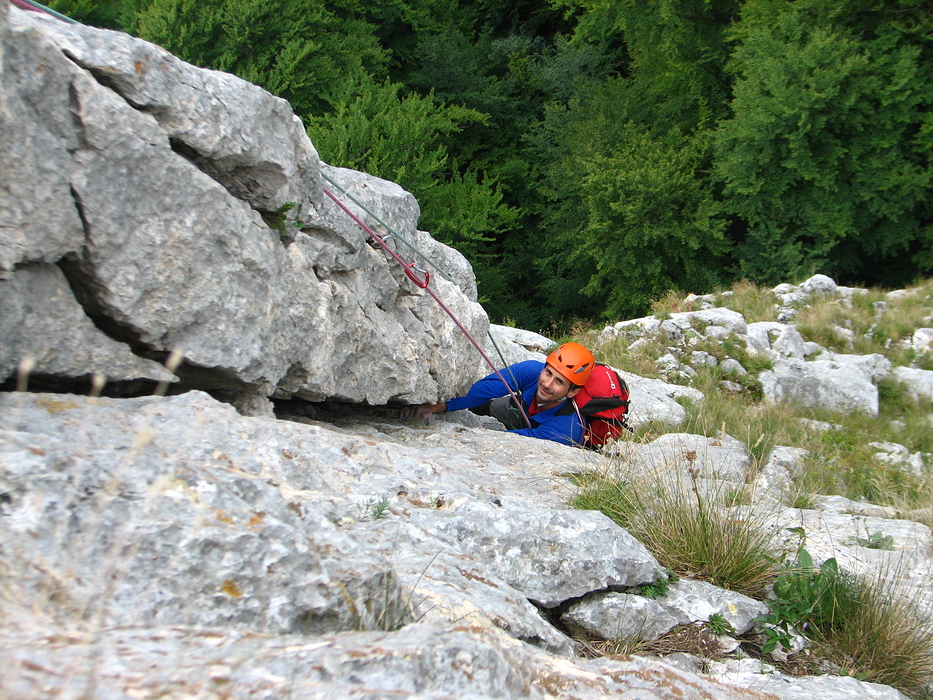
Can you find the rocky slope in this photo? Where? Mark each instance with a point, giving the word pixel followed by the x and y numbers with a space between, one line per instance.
pixel 170 546
pixel 152 207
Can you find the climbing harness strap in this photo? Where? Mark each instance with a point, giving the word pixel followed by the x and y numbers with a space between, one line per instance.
pixel 423 284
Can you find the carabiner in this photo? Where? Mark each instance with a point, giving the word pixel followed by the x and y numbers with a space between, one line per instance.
pixel 413 278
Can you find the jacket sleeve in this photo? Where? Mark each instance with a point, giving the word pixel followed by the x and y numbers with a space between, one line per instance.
pixel 565 429
pixel 491 387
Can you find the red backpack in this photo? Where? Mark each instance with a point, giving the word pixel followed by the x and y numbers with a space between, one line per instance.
pixel 603 404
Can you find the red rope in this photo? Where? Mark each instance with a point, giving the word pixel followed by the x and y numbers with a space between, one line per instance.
pixel 409 270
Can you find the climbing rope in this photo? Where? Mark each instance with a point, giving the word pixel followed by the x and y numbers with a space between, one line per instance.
pixel 33 6
pixel 410 270
pixel 395 234
pixel 392 232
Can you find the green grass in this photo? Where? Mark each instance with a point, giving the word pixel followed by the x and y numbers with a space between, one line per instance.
pixel 753 302
pixel 689 531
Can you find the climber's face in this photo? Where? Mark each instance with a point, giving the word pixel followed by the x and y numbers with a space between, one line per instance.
pixel 553 387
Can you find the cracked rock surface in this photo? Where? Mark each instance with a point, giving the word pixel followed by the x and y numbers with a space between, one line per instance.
pixel 153 197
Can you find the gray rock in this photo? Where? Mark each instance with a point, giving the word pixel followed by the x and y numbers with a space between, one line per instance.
pixel 759 334
pixel 899 456
pixel 207 517
pixel 727 318
pixel 717 332
pixel 722 457
pixel 516 345
pixel 789 343
pixel 615 616
pixel 634 329
pixel 824 688
pixel 419 661
pixel 794 298
pixel 695 601
pixel 171 168
pixel 441 584
pixel 820 285
pixel 922 340
pixel 668 362
pixel 36 304
pixel 829 384
pixel 154 536
pixel 731 366
pixel 703 358
pixel 777 474
pixel 671 331
pixel 242 136
pixel 919 382
pixel 653 400
pixel 810 348
pixel 550 556
pixel 40 221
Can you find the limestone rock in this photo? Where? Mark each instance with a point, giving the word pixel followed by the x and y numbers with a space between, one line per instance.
pixel 615 616
pixel 919 382
pixel 516 345
pixel 244 137
pixel 36 304
pixel 551 556
pixel 156 183
pixel 789 344
pixel 922 340
pixel 695 601
pixel 656 400
pixel 781 467
pixel 760 334
pixel 675 454
pixel 820 284
pixel 829 384
pixel 422 660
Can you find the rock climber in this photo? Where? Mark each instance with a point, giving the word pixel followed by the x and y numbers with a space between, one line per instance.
pixel 544 388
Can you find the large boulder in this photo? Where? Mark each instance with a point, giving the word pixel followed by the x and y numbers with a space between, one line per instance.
pixel 919 382
pixel 181 209
pixel 831 384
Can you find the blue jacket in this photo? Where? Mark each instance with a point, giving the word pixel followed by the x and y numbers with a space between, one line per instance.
pixel 565 428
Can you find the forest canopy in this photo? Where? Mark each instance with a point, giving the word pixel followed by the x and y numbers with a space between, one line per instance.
pixel 589 156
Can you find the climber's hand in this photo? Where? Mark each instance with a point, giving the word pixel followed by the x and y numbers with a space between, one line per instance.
pixel 423 411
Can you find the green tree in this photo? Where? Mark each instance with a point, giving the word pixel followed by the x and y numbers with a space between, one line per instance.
pixel 108 14
pixel 306 51
pixel 402 139
pixel 825 157
pixel 632 209
pixel 651 222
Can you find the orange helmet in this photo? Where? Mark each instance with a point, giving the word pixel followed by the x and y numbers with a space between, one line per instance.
pixel 573 362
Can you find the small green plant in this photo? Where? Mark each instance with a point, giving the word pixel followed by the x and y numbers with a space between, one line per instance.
pixel 659 588
pixel 280 221
pixel 375 508
pixel 718 625
pixel 876 541
pixel 798 592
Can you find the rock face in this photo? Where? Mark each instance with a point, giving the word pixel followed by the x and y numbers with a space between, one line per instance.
pixel 173 540
pixel 171 546
pixel 145 202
